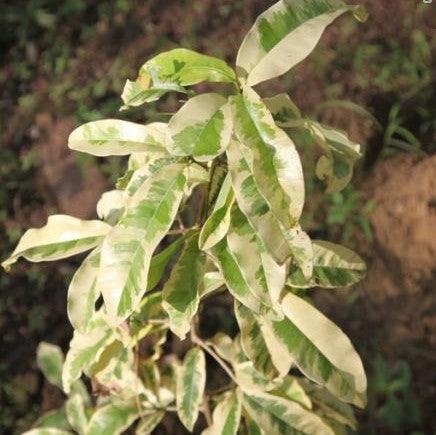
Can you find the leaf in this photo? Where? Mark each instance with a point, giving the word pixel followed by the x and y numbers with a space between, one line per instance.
pixel 56 418
pixel 113 418
pixel 171 71
pixel 85 350
pixel 217 224
pixel 283 110
pixel 226 415
pixel 273 160
pixel 76 414
pixel 50 360
pixel 83 292
pixel 126 252
pixel 115 137
pixel 333 266
pixel 253 342
pixel 321 350
pixel 284 35
pixel 62 237
pixel 149 422
pixel 281 243
pixel 111 205
pixel 202 127
pixel 234 278
pixel 336 166
pixel 291 389
pixel 181 292
pixel 211 281
pixel 159 262
pixel 252 257
pixel 276 415
pixel 191 381
pixel 47 431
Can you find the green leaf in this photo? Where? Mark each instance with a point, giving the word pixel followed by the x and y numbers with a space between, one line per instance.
pixel 160 261
pixel 83 292
pixel 85 350
pixel 283 110
pixel 321 350
pixel 56 418
pixel 127 250
pixel 333 266
pixel 114 137
pixel 336 166
pixel 113 418
pixel 202 127
pixel 217 224
pixel 226 415
pixel 50 360
pixel 291 389
pixel 171 71
pixel 191 381
pixel 284 35
pixel 211 281
pixel 273 159
pixel 234 278
pixel 253 342
pixel 276 415
pixel 181 292
pixel 62 237
pixel 149 422
pixel 280 242
pixel 76 414
pixel 265 278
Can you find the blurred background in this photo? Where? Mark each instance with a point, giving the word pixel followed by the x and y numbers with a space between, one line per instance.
pixel 64 62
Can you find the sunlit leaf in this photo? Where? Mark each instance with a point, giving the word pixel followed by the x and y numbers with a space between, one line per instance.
pixel 115 137
pixel 284 35
pixel 50 360
pixel 76 413
pixel 172 71
pixel 56 418
pixel 62 237
pixel 127 250
pixel 148 422
pixel 111 205
pixel 283 110
pixel 47 431
pixel 191 381
pixel 201 128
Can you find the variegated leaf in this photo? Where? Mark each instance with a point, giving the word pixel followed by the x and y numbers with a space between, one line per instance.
pixel 276 415
pixel 111 205
pixel 56 418
pixel 336 166
pixel 333 266
pixel 321 350
pixel 76 413
pixel 274 161
pixel 280 242
pixel 127 250
pixel 50 360
pixel 253 341
pixel 291 389
pixel 283 110
pixel 191 381
pixel 62 237
pixel 284 35
pixel 201 128
pixel 148 422
pixel 83 292
pixel 234 279
pixel 113 418
pixel 211 281
pixel 47 431
pixel 181 292
pixel 226 415
pixel 172 71
pixel 85 350
pixel 115 137
pixel 217 224
pixel 252 258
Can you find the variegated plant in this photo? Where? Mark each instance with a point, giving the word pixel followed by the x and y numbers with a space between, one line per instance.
pixel 210 202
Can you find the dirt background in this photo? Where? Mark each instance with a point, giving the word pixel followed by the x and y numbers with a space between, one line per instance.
pixel 391 314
